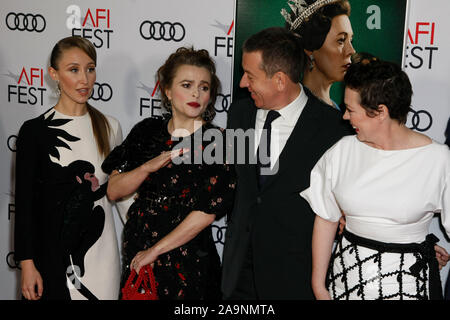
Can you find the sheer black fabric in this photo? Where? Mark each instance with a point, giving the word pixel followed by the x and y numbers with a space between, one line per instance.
pixel 166 198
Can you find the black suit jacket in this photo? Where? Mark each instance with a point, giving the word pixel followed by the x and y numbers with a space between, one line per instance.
pixel 276 220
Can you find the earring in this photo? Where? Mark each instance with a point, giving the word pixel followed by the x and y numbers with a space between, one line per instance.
pixel 168 106
pixel 57 90
pixel 207 115
pixel 311 62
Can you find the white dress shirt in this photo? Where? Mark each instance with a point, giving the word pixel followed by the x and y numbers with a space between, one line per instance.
pixel 281 127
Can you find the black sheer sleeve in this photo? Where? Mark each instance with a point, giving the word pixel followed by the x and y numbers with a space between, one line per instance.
pixel 125 157
pixel 27 169
pixel 216 194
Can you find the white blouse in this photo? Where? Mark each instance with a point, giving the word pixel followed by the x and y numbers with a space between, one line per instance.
pixel 386 195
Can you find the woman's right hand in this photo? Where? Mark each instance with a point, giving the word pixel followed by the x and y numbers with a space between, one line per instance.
pixel 31 280
pixel 124 184
pixel 162 160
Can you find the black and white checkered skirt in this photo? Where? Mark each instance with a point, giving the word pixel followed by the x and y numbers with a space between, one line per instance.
pixel 364 269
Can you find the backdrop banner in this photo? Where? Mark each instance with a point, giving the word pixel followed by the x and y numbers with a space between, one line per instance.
pixel 426 61
pixel 133 38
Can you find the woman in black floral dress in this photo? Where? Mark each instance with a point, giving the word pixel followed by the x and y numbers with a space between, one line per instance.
pixel 169 222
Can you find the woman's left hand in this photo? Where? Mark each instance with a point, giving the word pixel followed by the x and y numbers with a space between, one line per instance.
pixel 143 258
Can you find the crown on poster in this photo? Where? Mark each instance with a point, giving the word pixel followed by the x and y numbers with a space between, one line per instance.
pixel 302 11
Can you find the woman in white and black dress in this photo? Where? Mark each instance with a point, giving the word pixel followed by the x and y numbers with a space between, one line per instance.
pixel 64 228
pixel 389 181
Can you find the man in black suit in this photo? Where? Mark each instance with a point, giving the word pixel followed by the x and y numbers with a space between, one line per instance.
pixel 267 253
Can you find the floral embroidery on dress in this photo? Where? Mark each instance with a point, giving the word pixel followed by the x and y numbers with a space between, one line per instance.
pixel 191 271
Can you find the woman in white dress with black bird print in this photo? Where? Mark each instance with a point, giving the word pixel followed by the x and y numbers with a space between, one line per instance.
pixel 65 237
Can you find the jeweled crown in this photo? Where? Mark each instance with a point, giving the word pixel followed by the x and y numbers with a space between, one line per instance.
pixel 302 11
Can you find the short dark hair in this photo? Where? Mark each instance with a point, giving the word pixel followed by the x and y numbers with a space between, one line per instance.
pixel 280 51
pixel 314 30
pixel 189 56
pixel 381 82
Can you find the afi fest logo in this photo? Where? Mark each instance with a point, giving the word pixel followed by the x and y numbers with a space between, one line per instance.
pixel 421 47
pixel 224 43
pixel 25 22
pixel 28 88
pixel 153 104
pixel 94 25
pixel 420 52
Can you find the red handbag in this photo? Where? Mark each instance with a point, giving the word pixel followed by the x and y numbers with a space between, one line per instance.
pixel 144 288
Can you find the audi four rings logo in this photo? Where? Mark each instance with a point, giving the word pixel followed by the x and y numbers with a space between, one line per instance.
pixel 222 102
pixel 25 22
pixel 12 262
pixel 101 91
pixel 421 120
pixel 166 31
pixel 220 234
pixel 11 142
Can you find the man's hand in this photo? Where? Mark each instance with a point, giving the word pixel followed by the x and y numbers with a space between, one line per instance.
pixel 442 256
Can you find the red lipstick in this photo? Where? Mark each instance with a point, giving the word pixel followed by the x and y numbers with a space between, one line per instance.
pixel 194 104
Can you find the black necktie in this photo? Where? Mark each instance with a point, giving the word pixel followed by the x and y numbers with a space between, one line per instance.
pixel 264 144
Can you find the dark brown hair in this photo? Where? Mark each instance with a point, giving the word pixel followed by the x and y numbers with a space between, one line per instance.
pixel 380 82
pixel 100 124
pixel 188 56
pixel 280 51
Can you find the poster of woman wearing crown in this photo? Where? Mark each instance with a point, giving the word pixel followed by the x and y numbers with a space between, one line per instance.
pixel 378 28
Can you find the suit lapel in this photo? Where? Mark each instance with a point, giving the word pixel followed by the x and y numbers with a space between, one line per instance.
pixel 250 120
pixel 248 170
pixel 305 129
